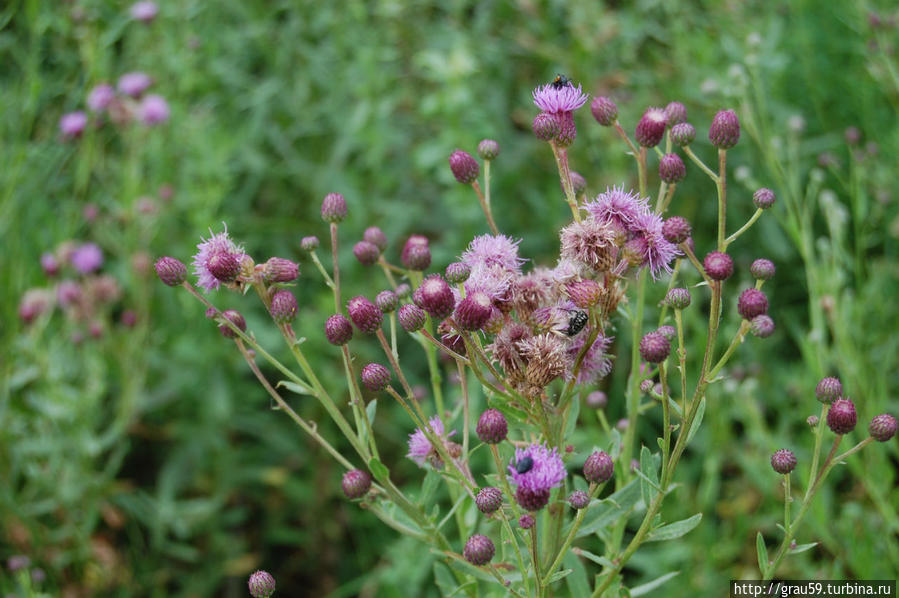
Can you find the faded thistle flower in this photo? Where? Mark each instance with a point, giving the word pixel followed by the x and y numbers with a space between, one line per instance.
pixel 591 243
pixel 420 448
pixel 547 356
pixel 535 471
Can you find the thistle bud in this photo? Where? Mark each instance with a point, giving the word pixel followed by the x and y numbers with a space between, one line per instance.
pixel 526 521
pixel 579 500
pixel 883 427
pixel 676 229
pixel 828 390
pixel 309 243
pixel 578 182
pixel 724 131
pixel 597 399
pixel 403 290
pixel 546 126
pixel 762 269
pixel 676 113
pixel 387 301
pixel 364 314
pixel 718 265
pixel 651 127
pixel 604 110
pixel 457 272
pixel 338 330
pixel 683 134
pixel 489 500
pixel 235 318
pixel 465 168
pixel 416 253
pixel 678 298
pixel 752 303
pixel 224 266
pixel 261 584
pixel 599 467
pixel 356 483
pixel 584 293
pixel 412 318
pixel 473 311
pixel 479 550
pixel 488 149
pixel 334 208
pixel 284 307
pixel 278 269
pixel 171 271
pixel 367 253
pixel 812 421
pixel 762 326
pixel 376 237
pixel 435 297
pixel 672 169
pixel 668 332
pixel 783 461
pixel 375 377
pixel 654 347
pixel 841 417
pixel 763 198
pixel 492 427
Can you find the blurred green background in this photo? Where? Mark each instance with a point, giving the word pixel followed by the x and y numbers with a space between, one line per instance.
pixel 145 461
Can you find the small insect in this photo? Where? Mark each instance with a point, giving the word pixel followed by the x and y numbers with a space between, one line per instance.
pixel 576 322
pixel 524 465
pixel 560 81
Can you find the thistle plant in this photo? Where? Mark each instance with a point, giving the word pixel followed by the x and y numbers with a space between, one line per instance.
pixel 528 507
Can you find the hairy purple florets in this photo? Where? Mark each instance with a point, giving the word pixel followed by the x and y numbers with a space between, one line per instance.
pixel 535 471
pixel 591 243
pixel 597 362
pixel 618 207
pixel 556 99
pixel 420 449
pixel 493 250
pixel 216 244
pixel 657 251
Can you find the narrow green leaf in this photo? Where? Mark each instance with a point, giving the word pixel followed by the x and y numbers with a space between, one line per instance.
pixel 572 418
pixel 649 476
pixel 300 389
pixel 378 469
pixel 577 581
pixel 646 588
pixel 762 551
pixel 802 548
pixel 697 420
pixel 599 560
pixel 674 530
pixel 610 509
pixel 370 410
pixel 558 575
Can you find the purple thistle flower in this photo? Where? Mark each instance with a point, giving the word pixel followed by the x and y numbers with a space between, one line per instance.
pixel 86 258
pixel 490 250
pixel 658 252
pixel 420 448
pixel 618 207
pixel 144 11
pixel 100 97
pixel 553 99
pixel 153 110
pixel 591 243
pixel 494 281
pixel 216 243
pixel 533 483
pixel 72 124
pixel 134 84
pixel 596 363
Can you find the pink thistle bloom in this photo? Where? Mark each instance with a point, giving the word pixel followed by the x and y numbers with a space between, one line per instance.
pixel 72 125
pixel 546 472
pixel 87 258
pixel 494 281
pixel 100 97
pixel 153 110
pixel 555 317
pixel 566 271
pixel 215 244
pixel 658 252
pixel 554 100
pixel 134 84
pixel 597 363
pixel 618 207
pixel 144 11
pixel 420 448
pixel 489 250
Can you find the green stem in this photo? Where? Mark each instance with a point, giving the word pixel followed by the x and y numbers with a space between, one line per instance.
pixel 700 163
pixel 722 198
pixel 336 268
pixel 321 269
pixel 743 228
pixel 561 155
pixel 787 500
pixel 486 207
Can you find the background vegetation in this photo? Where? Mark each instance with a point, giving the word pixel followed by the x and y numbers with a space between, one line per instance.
pixel 145 462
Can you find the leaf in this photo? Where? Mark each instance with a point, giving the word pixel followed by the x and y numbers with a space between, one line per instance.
pixel 370 411
pixel 300 389
pixel 650 586
pixel 697 420
pixel 649 476
pixel 762 554
pixel 802 548
pixel 572 418
pixel 378 469
pixel 610 509
pixel 674 530
pixel 614 448
pixel 599 560
pixel 558 575
pixel 429 487
pixel 577 582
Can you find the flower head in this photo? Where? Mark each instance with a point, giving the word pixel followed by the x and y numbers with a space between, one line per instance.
pixel 356 483
pixel 657 251
pixel 261 584
pixel 144 11
pixel 547 356
pixel 590 242
pixel 153 110
pixel 841 417
pixel 599 467
pixel 87 258
pixel 420 448
pixel 783 461
pixel 535 470
pixel 489 500
pixel 604 110
pixel 72 124
pixel 100 97
pixel 882 427
pixel 214 245
pixel 618 207
pixel 651 127
pixel 479 550
pixel 492 427
pixel 597 362
pixel 493 250
pixel 134 84
pixel 554 98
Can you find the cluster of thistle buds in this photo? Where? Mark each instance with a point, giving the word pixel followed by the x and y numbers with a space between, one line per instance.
pixel 534 338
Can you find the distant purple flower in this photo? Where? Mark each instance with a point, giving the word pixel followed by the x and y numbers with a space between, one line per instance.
pixel 420 448
pixel 144 11
pixel 489 250
pixel 153 110
pixel 134 84
pixel 618 207
pixel 100 97
pixel 545 472
pixel 565 98
pixel 217 243
pixel 86 258
pixel 658 251
pixel 72 124
pixel 597 363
